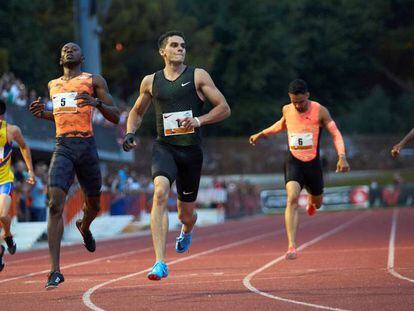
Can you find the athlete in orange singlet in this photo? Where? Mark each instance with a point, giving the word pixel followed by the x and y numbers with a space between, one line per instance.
pixel 303 120
pixel 75 96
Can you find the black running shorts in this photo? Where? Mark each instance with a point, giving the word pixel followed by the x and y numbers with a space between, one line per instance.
pixel 181 164
pixel 76 155
pixel 307 174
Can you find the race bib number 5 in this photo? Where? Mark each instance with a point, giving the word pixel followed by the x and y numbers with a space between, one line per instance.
pixel 171 122
pixel 64 103
pixel 301 141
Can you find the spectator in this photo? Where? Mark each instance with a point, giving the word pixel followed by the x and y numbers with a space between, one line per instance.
pixel 32 96
pixel 20 190
pixel 38 194
pixel 21 99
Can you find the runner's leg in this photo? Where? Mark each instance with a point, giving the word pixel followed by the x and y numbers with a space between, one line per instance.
pixel 5 220
pixel 159 216
pixel 55 225
pixel 291 213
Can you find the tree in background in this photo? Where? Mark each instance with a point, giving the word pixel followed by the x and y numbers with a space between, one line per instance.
pixel 356 55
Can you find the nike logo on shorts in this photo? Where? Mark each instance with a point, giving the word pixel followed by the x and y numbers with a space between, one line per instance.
pixel 187 193
pixel 184 84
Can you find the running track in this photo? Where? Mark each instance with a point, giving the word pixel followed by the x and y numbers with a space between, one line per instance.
pixel 359 260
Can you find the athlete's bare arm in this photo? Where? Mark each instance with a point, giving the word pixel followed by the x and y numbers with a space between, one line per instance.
pixel 138 110
pixel 206 89
pixel 395 152
pixel 274 129
pixel 37 108
pixel 103 101
pixel 14 133
pixel 327 122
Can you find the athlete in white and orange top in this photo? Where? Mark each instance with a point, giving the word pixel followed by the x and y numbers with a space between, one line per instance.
pixel 303 120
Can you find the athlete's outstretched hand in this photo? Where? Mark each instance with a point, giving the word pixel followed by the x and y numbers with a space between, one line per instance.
pixel 129 142
pixel 342 166
pixel 37 107
pixel 31 178
pixel 255 137
pixel 395 151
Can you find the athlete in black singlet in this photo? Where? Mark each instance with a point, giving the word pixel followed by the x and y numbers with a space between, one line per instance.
pixel 178 93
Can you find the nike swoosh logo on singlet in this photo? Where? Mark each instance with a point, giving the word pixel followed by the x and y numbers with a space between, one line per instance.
pixel 184 84
pixel 167 116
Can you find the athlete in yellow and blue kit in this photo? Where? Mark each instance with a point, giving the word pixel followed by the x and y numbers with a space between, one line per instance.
pixel 8 133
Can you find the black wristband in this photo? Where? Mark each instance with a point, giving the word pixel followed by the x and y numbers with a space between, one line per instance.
pixel 99 104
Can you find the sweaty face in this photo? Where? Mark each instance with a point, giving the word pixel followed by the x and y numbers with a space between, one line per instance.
pixel 175 49
pixel 300 101
pixel 71 53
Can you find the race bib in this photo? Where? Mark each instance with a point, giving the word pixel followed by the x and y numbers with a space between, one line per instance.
pixel 172 124
pixel 301 141
pixel 64 103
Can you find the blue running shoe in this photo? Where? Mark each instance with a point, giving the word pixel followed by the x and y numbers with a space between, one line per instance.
pixel 158 271
pixel 183 241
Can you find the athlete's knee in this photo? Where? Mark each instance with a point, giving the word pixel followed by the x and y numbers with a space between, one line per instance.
pixel 292 201
pixel 315 200
pixel 55 207
pixel 92 204
pixel 160 195
pixel 187 217
pixel 92 207
pixel 318 205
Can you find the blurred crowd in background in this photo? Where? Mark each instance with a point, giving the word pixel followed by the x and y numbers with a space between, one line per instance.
pixel 238 197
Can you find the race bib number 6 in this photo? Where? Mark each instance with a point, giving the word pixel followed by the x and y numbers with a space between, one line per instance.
pixel 171 122
pixel 64 103
pixel 300 141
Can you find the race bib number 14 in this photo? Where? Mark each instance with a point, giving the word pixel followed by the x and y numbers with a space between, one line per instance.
pixel 64 103
pixel 300 141
pixel 171 122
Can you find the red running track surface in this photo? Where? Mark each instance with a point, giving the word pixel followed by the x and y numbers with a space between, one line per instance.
pixel 345 261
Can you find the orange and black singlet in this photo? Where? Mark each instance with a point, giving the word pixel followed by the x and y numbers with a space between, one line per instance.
pixel 71 120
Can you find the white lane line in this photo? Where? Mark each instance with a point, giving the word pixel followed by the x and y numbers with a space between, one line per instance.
pixel 391 249
pixel 122 240
pixel 35 258
pixel 78 264
pixel 247 279
pixel 87 295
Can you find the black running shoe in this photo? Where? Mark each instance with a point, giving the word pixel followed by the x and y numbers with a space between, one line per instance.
pixel 54 279
pixel 88 239
pixel 11 245
pixel 2 249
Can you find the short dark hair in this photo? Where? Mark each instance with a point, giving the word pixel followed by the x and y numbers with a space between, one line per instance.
pixel 298 86
pixel 2 107
pixel 162 40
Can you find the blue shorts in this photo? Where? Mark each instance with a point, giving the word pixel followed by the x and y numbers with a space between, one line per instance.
pixel 7 188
